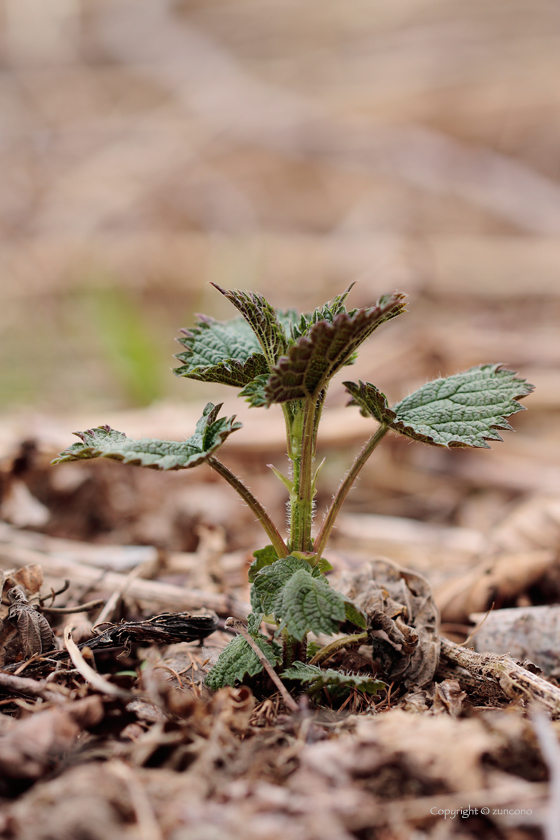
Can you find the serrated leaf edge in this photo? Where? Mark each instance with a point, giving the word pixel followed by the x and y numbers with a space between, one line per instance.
pixel 389 416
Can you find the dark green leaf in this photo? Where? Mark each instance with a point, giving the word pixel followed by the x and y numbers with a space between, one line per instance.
pixel 254 621
pixel 465 409
pixel 254 392
pixel 239 659
pixel 327 312
pixel 104 442
pixel 263 557
pixel 320 563
pixel 318 679
pixel 298 595
pixel 314 358
pixel 221 351
pixel 290 319
pixel 262 319
pixel 371 401
pixel 307 604
pixel 354 615
pixel 270 580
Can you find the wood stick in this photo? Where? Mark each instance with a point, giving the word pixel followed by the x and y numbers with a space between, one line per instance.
pixel 30 688
pixel 152 592
pixel 488 670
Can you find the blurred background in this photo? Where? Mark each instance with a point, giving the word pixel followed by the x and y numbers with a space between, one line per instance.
pixel 151 146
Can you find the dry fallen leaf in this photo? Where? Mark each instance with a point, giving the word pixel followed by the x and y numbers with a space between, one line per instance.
pixel 36 743
pixel 497 580
pixel 401 612
pixel 533 524
pixel 421 749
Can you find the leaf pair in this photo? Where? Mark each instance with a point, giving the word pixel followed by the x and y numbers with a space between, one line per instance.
pixel 238 660
pixel 277 356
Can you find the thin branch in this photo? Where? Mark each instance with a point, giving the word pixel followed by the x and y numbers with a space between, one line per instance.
pixel 90 605
pixel 490 671
pixel 259 511
pixel 30 688
pixel 167 595
pixel 288 700
pixel 87 672
pixel 344 489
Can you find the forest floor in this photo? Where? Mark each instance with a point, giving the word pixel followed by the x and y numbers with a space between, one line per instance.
pixel 126 740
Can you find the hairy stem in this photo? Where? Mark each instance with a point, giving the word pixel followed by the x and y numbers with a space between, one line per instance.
pixel 301 497
pixel 259 511
pixel 343 490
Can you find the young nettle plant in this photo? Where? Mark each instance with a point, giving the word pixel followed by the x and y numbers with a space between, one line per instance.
pixel 275 356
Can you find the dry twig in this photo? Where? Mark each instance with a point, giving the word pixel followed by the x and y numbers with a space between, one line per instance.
pixel 87 672
pixel 288 700
pixel 488 670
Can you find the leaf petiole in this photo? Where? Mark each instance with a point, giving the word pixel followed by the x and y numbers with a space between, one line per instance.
pixel 259 511
pixel 344 489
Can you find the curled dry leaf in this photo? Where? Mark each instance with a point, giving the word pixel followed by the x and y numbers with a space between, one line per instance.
pixel 29 576
pixel 445 697
pixel 36 635
pixel 448 698
pixel 497 580
pixel 23 630
pixel 402 619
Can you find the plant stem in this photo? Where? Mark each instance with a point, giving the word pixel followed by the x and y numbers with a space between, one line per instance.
pixel 330 650
pixel 259 511
pixel 301 497
pixel 343 490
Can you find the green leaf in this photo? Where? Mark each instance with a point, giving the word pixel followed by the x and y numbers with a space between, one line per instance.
pixel 254 392
pixel 327 312
pixel 221 351
pixel 354 615
pixel 314 560
pixel 263 557
pixel 465 409
pixel 307 603
pixel 289 319
pixel 314 358
pixel 318 679
pixel 269 581
pixel 371 401
pixel 298 595
pixel 104 442
pixel 239 659
pixel 254 621
pixel 263 320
